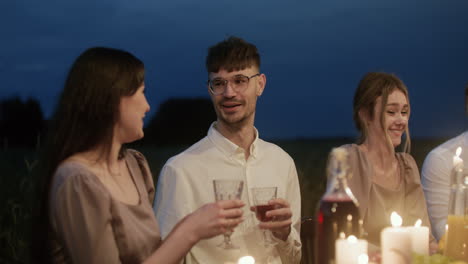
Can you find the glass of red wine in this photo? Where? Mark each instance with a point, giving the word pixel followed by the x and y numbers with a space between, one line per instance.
pixel 228 190
pixel 261 196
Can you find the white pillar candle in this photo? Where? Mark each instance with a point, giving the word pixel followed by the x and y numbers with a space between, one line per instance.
pixel 363 259
pixel 347 251
pixel 457 161
pixel 246 260
pixel 419 238
pixel 396 243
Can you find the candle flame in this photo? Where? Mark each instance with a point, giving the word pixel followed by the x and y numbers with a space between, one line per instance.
pixel 349 217
pixel 395 219
pixel 418 223
pixel 363 259
pixel 342 235
pixel 352 239
pixel 246 260
pixel 446 227
pixel 458 152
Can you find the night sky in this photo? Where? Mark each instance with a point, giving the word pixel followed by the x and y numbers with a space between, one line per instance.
pixel 313 53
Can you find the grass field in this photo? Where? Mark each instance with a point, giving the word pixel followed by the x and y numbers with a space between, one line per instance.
pixel 17 170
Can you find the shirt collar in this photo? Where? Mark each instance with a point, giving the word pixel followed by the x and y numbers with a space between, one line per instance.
pixel 228 147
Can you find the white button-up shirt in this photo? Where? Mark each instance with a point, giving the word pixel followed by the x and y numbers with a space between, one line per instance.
pixel 436 180
pixel 186 183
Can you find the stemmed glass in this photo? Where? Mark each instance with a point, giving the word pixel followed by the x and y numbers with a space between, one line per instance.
pixel 227 190
pixel 261 197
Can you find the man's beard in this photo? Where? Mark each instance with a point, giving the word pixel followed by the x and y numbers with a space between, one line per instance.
pixel 235 122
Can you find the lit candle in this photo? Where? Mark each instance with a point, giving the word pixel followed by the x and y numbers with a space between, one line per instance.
pixel 349 225
pixel 246 260
pixel 443 240
pixel 457 161
pixel 396 242
pixel 446 231
pixel 363 259
pixel 457 204
pixel 348 251
pixel 419 238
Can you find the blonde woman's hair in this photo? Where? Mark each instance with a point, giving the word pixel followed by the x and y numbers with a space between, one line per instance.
pixel 371 86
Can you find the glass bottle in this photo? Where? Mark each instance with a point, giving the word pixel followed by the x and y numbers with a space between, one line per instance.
pixel 338 209
pixel 456 244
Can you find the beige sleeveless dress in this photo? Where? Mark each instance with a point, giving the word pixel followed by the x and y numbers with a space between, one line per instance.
pixel 89 226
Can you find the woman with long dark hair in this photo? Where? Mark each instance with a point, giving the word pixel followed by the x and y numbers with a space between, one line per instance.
pixel 97 196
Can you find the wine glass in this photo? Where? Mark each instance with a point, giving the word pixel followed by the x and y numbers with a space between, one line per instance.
pixel 261 197
pixel 227 190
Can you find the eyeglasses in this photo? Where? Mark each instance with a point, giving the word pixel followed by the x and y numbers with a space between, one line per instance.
pixel 238 83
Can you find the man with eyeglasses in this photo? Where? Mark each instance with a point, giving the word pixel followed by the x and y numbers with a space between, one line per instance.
pixel 233 150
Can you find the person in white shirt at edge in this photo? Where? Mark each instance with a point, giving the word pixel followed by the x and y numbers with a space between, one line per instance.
pixel 233 150
pixel 436 177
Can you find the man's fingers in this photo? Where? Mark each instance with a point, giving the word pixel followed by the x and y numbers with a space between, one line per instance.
pixel 279 202
pixel 282 213
pixel 275 225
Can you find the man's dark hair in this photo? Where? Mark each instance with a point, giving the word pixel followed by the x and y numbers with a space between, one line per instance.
pixel 232 54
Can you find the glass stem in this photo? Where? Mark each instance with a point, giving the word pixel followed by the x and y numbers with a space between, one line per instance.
pixel 265 239
pixel 227 239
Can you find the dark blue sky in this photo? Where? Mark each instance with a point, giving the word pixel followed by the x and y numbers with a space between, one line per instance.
pixel 313 53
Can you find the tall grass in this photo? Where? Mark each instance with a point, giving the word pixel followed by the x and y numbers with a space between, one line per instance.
pixel 17 184
pixel 16 197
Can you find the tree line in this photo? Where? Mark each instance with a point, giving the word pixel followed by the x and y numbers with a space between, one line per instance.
pixel 177 121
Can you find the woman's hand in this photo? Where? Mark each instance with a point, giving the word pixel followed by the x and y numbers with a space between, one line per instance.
pixel 207 221
pixel 214 218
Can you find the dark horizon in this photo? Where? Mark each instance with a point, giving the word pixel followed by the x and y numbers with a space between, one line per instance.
pixel 349 137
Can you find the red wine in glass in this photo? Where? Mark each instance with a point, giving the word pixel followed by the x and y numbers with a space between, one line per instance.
pixel 261 212
pixel 334 216
pixel 261 198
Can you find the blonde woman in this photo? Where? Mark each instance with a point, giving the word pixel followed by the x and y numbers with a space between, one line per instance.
pixel 384 180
